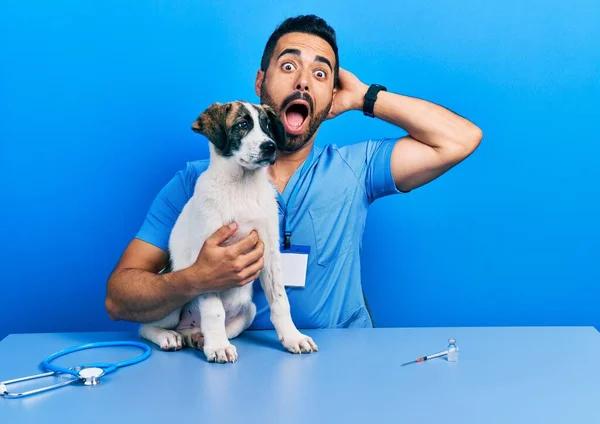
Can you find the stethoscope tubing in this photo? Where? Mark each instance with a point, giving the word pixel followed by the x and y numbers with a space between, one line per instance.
pixel 108 367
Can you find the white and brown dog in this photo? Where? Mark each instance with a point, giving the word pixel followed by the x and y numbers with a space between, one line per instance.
pixel 234 188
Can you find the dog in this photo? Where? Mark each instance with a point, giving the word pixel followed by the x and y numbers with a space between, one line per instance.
pixel 243 140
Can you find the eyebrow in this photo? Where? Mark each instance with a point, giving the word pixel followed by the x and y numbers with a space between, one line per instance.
pixel 299 53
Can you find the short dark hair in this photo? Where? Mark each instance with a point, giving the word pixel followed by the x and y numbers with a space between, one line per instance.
pixel 308 24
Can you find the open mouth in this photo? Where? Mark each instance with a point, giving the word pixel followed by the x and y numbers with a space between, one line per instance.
pixel 295 117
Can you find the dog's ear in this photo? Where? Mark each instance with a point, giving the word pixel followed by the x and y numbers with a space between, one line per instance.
pixel 212 124
pixel 277 129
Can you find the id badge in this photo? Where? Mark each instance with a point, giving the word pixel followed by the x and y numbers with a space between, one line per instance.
pixel 294 264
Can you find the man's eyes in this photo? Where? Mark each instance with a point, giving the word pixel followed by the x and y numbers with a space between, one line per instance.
pixel 288 66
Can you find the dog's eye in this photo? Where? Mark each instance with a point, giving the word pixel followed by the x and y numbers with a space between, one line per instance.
pixel 242 125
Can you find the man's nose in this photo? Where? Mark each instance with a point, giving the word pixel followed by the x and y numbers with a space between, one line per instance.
pixel 302 82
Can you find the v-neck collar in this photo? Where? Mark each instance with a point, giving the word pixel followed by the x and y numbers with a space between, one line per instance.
pixel 289 187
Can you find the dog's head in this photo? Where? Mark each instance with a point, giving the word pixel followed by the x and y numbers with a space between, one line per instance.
pixel 244 132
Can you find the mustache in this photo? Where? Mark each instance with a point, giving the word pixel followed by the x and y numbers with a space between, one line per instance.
pixel 297 95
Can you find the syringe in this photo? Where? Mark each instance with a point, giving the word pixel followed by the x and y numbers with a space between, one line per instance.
pixel 425 358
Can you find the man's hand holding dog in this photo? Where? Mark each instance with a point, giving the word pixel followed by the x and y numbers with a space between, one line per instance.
pixel 220 267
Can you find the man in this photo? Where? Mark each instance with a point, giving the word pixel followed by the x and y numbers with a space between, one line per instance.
pixel 330 188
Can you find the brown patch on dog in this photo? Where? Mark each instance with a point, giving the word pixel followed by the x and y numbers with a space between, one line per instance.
pixel 215 121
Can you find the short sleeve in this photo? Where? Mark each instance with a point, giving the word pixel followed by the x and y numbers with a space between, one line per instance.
pixel 371 163
pixel 166 207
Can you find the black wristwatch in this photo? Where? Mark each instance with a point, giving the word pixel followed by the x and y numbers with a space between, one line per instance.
pixel 370 97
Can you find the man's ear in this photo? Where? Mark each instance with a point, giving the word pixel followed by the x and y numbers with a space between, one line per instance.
pixel 258 82
pixel 211 124
pixel 328 116
pixel 279 136
pixel 333 94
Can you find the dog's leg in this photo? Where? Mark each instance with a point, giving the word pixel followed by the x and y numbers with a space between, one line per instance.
pixel 272 284
pixel 235 327
pixel 193 337
pixel 217 347
pixel 182 255
pixel 159 332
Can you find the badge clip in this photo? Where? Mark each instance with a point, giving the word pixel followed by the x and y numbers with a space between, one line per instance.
pixel 287 240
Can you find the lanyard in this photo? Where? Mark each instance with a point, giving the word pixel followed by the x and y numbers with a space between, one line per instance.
pixel 287 242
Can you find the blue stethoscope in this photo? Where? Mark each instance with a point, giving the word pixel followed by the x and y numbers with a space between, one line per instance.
pixel 88 374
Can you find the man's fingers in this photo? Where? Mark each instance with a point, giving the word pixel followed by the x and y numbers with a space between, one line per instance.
pixel 252 256
pixel 244 245
pixel 222 234
pixel 252 269
pixel 250 279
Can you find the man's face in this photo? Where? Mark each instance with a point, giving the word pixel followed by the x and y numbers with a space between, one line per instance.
pixel 299 85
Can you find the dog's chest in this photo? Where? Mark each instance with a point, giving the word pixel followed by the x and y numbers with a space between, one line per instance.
pixel 250 207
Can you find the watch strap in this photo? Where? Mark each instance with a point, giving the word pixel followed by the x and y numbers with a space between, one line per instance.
pixel 370 98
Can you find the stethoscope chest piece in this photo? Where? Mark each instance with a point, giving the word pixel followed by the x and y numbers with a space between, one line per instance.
pixel 90 376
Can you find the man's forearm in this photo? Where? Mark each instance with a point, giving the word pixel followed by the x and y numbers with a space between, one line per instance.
pixel 426 122
pixel 142 296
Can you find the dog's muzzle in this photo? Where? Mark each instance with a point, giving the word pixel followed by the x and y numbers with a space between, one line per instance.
pixel 268 152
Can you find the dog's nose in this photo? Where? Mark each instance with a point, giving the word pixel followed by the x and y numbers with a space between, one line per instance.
pixel 268 147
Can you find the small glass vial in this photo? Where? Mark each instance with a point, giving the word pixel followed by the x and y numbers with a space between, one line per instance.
pixel 452 350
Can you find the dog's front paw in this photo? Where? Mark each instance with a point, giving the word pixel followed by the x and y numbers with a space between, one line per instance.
pixel 192 337
pixel 169 340
pixel 221 355
pixel 298 343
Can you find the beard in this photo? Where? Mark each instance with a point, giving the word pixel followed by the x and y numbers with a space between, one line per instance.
pixel 295 142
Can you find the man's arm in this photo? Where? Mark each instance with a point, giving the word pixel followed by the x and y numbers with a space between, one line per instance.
pixel 438 138
pixel 136 292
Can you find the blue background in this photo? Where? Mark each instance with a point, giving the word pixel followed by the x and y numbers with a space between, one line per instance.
pixel 96 102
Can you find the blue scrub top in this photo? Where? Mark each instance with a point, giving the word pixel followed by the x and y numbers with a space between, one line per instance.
pixel 329 215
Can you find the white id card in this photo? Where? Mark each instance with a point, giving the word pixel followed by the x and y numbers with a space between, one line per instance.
pixel 294 263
